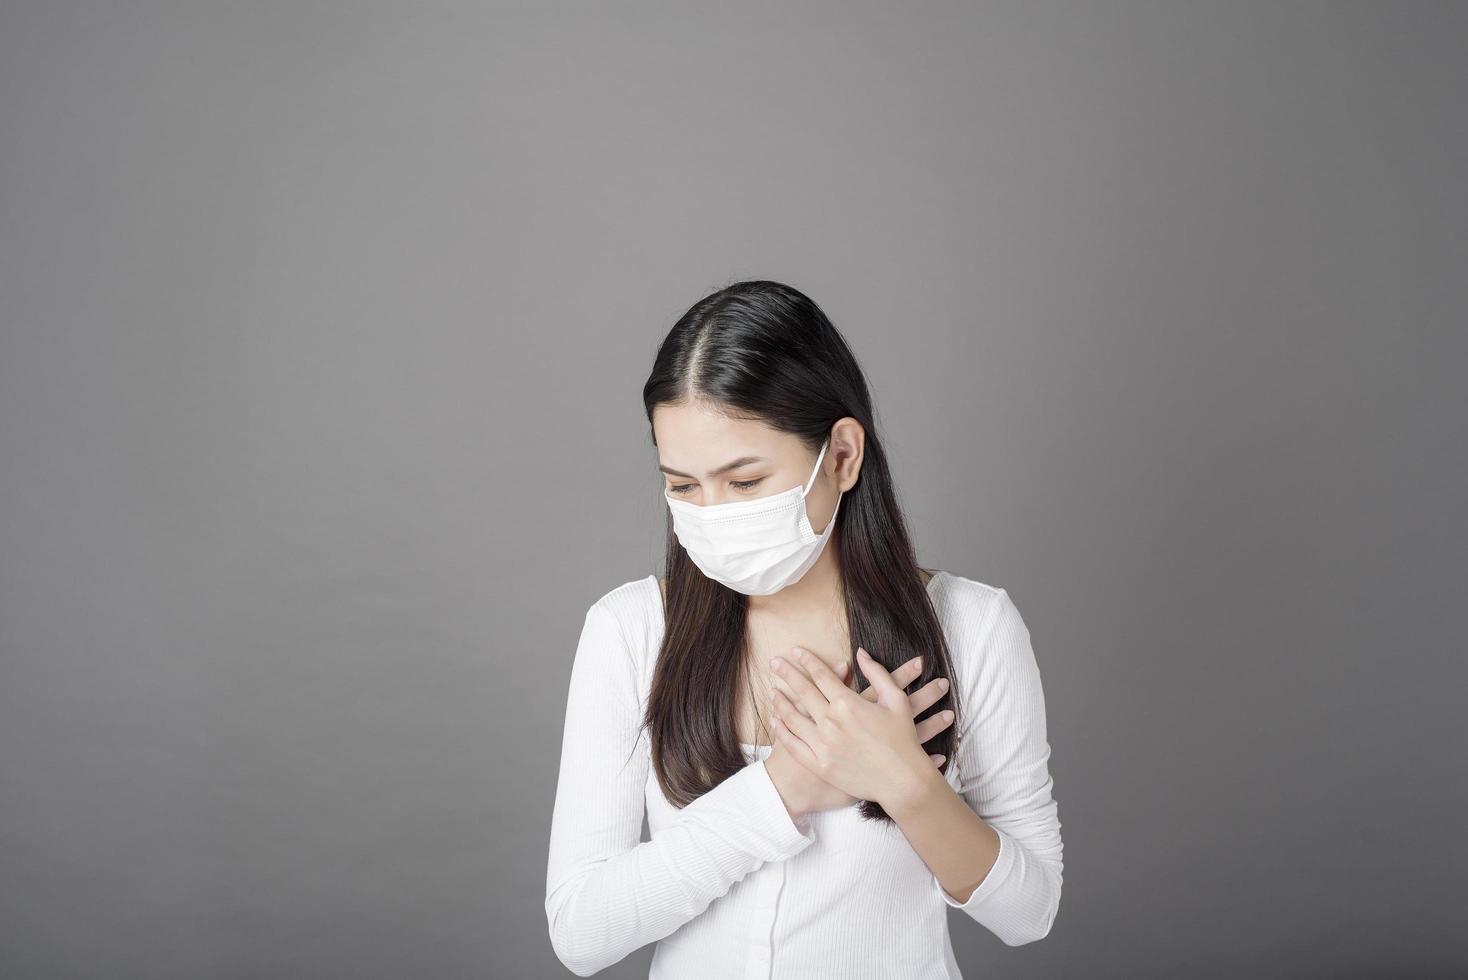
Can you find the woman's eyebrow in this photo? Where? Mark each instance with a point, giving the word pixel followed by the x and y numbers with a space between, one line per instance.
pixel 741 461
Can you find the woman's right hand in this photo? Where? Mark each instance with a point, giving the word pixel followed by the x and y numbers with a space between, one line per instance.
pixel 805 792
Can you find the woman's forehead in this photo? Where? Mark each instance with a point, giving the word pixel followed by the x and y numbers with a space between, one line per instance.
pixel 694 441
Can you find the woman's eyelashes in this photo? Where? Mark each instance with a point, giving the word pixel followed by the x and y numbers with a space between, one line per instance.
pixel 685 488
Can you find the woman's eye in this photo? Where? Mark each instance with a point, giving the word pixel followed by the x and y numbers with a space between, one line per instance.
pixel 686 488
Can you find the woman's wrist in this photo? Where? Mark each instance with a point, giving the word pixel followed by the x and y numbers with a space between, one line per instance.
pixel 777 767
pixel 915 790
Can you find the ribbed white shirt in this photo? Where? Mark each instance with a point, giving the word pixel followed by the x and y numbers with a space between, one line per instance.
pixel 730 886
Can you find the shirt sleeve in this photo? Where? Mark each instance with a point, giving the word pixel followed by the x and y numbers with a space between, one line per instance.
pixel 606 894
pixel 1003 759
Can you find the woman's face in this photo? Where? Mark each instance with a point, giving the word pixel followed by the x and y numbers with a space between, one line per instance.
pixel 707 458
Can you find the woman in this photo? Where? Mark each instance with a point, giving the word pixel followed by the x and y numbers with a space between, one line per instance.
pixel 818 794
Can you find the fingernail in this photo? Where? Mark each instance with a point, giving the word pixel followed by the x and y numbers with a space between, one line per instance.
pixel 920 663
pixel 862 652
pixel 941 758
pixel 947 716
pixel 777 663
pixel 942 683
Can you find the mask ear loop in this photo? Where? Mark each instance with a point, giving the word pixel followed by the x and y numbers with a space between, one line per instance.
pixel 815 472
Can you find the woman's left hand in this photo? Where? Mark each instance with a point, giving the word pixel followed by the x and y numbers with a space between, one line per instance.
pixel 869 750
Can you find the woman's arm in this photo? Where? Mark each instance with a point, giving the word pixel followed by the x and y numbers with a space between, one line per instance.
pixel 995 844
pixel 606 894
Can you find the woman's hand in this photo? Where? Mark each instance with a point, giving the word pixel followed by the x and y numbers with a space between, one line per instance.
pixel 804 790
pixel 867 748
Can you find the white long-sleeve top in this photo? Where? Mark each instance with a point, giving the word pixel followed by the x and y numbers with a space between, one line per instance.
pixel 730 886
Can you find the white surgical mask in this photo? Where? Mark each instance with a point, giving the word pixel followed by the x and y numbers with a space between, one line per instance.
pixel 753 546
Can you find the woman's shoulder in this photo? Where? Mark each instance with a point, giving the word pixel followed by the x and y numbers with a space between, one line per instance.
pixel 634 590
pixel 635 607
pixel 973 609
pixel 988 639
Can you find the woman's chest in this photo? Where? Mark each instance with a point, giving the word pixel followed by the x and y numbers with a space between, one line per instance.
pixel 755 685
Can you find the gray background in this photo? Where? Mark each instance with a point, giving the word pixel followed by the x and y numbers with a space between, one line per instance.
pixel 324 328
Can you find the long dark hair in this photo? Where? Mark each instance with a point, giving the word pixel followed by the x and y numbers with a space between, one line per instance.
pixel 762 350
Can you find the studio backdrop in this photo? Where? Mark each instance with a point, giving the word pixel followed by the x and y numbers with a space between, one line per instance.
pixel 322 334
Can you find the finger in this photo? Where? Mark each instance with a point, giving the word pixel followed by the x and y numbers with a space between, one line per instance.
pixel 908 672
pixel 782 673
pixel 887 690
pixel 798 687
pixel 822 675
pixel 803 727
pixel 933 724
pixel 780 697
pixel 938 759
pixel 902 677
pixel 928 695
pixel 797 748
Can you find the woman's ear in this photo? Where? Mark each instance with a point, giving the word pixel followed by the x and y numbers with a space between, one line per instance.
pixel 848 441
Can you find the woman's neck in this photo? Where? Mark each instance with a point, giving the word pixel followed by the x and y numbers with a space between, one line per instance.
pixel 818 589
